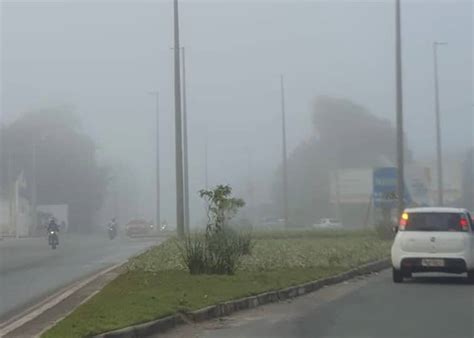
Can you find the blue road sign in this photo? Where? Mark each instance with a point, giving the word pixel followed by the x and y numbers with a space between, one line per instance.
pixel 385 188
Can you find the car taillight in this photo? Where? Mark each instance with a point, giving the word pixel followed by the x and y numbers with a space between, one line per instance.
pixel 403 221
pixel 464 224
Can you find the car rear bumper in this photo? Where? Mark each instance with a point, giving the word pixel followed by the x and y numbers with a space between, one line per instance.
pixel 450 265
pixel 452 262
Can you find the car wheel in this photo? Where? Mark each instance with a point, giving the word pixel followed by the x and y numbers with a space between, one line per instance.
pixel 397 276
pixel 470 277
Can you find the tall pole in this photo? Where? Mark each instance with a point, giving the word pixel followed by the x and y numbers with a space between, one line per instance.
pixel 251 187
pixel 158 200
pixel 439 157
pixel 10 186
pixel 178 126
pixel 185 148
pixel 399 107
pixel 34 187
pixel 285 168
pixel 206 164
pixel 116 199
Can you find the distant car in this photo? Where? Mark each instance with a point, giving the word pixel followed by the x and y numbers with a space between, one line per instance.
pixel 328 223
pixel 433 240
pixel 139 227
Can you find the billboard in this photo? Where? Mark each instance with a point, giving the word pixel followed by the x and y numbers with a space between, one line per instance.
pixel 351 186
pixel 417 186
pixel 385 187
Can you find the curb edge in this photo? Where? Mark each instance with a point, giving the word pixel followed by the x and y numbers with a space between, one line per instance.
pixel 226 308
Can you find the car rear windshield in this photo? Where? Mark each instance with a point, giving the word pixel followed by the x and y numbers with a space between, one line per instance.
pixel 434 221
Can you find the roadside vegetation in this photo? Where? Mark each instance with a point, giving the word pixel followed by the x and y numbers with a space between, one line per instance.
pixel 158 283
pixel 220 248
pixel 218 265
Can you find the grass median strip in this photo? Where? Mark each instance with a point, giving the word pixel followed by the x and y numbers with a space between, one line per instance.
pixel 157 284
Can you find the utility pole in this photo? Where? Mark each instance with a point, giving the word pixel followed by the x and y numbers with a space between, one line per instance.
pixel 178 126
pixel 158 200
pixel 252 205
pixel 439 157
pixel 284 158
pixel 206 164
pixel 399 107
pixel 116 199
pixel 10 185
pixel 185 148
pixel 34 187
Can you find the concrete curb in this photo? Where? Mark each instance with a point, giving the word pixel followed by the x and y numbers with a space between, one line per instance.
pixel 227 308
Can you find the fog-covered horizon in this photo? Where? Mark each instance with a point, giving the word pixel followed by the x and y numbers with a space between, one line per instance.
pixel 102 59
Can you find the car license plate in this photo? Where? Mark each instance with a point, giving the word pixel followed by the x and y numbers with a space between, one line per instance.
pixel 430 262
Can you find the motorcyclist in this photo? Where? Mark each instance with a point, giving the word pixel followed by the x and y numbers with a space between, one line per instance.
pixel 113 224
pixel 112 227
pixel 53 226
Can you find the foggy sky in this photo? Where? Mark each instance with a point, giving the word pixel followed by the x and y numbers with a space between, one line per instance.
pixel 103 58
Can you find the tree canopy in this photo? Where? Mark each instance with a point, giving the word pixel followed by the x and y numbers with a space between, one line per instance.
pixel 66 167
pixel 346 135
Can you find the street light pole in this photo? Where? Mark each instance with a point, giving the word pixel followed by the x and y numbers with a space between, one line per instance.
pixel 34 187
pixel 178 127
pixel 399 107
pixel 206 164
pixel 158 199
pixel 185 148
pixel 284 157
pixel 439 157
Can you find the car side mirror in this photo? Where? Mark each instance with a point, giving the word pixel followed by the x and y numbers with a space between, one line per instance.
pixel 395 229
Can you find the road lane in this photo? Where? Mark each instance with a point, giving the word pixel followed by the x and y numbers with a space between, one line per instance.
pixel 30 269
pixel 364 307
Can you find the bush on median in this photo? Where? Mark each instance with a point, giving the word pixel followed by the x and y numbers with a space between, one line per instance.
pixel 219 250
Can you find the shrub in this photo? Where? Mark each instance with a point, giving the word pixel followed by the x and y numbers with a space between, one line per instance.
pixel 219 250
pixel 194 254
pixel 223 251
pixel 245 243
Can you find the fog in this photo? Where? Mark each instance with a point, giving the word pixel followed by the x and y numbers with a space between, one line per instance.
pixel 102 59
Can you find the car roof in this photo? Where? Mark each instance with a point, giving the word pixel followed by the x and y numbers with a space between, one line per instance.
pixel 436 209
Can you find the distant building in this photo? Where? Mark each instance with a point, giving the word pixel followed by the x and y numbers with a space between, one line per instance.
pixel 15 211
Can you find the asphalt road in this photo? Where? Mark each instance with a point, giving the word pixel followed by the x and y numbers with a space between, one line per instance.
pixel 30 269
pixel 365 307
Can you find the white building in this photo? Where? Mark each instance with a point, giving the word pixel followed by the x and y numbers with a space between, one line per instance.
pixel 15 212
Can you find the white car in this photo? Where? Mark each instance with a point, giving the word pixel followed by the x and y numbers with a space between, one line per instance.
pixel 328 223
pixel 433 240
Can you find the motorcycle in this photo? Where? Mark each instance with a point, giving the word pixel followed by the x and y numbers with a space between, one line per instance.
pixel 53 239
pixel 112 231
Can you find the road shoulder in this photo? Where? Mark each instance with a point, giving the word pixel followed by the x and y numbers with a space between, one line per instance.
pixel 42 316
pixel 271 313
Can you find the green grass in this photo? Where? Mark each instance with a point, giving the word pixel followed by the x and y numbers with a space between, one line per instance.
pixel 157 284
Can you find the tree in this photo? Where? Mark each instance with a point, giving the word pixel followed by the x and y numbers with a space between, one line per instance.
pixel 66 168
pixel 221 207
pixel 221 247
pixel 345 135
